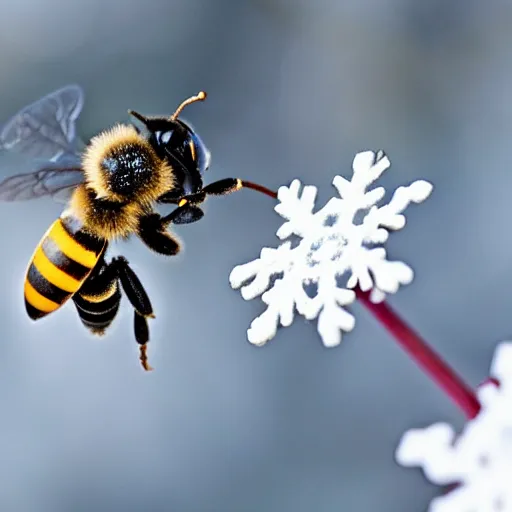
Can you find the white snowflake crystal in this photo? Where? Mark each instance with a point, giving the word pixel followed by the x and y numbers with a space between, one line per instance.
pixel 479 460
pixel 332 244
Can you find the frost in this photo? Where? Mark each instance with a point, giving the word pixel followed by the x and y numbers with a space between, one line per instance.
pixel 479 460
pixel 335 251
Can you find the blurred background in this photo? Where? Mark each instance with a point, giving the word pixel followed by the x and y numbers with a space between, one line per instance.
pixel 295 90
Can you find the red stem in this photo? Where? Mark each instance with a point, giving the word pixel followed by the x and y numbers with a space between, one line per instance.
pixel 424 356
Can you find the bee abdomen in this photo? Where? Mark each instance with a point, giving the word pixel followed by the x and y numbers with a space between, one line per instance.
pixel 62 261
pixel 98 313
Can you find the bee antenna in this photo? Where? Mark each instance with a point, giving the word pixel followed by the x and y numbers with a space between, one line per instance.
pixel 200 96
pixel 144 358
pixel 138 116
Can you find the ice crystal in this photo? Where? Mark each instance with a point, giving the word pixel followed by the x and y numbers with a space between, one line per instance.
pixel 479 460
pixel 335 251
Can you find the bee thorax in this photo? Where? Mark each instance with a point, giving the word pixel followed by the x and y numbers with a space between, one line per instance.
pixel 121 165
pixel 128 169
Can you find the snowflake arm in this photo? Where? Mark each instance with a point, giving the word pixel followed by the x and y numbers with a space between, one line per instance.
pixel 334 253
pixel 297 210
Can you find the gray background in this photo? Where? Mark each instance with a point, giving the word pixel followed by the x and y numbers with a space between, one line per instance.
pixel 295 90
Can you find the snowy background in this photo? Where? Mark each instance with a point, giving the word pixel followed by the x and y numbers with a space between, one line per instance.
pixel 295 90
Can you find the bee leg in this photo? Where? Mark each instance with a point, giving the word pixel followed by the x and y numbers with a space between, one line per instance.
pixel 171 197
pixel 223 187
pixel 188 210
pixel 133 287
pixel 152 231
pixel 184 214
pixel 139 299
pixel 141 328
pixel 229 185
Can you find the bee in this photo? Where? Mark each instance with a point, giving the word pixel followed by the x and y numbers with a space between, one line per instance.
pixel 110 187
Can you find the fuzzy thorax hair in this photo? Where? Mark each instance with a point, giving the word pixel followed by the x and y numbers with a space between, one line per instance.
pixel 120 165
pixel 103 218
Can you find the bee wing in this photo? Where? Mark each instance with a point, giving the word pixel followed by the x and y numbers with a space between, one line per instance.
pixel 56 179
pixel 45 131
pixel 46 128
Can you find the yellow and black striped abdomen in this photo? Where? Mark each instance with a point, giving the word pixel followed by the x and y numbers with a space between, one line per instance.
pixel 97 311
pixel 62 261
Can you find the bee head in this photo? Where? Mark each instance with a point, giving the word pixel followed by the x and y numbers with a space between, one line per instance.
pixel 179 144
pixel 120 165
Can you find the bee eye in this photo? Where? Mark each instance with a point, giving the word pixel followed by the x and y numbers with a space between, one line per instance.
pixel 166 137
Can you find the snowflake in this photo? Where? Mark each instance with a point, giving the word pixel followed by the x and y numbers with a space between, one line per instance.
pixel 479 460
pixel 330 244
